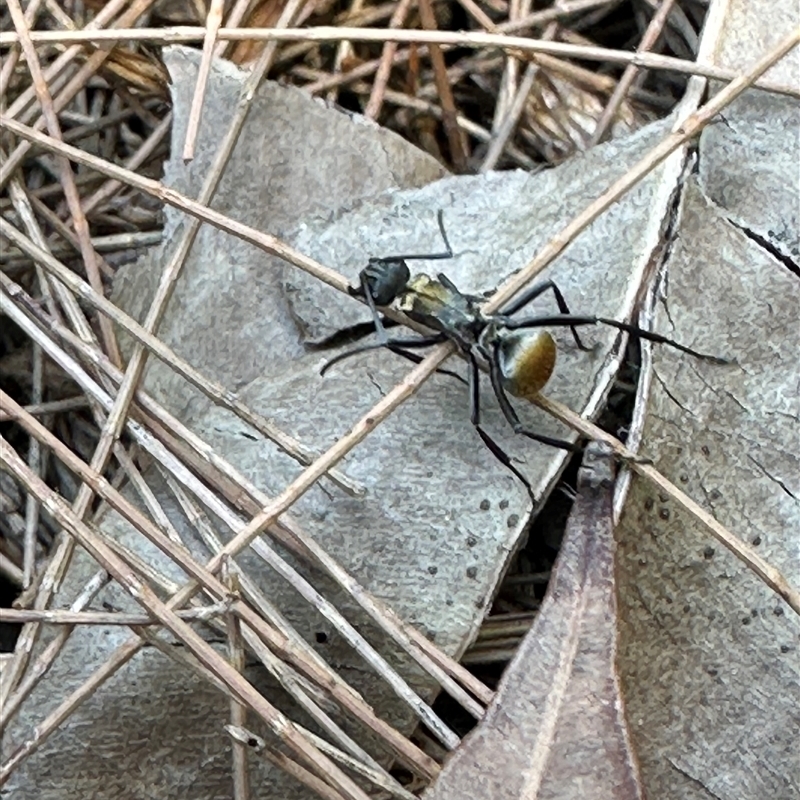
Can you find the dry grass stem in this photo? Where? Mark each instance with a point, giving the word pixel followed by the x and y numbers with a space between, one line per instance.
pixel 455 137
pixel 649 39
pixel 213 22
pixel 340 691
pixel 187 35
pixel 381 80
pixel 258 746
pixel 256 743
pixel 283 728
pixel 60 616
pixel 499 142
pixel 236 655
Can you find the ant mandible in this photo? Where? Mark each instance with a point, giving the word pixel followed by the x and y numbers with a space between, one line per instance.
pixel 520 361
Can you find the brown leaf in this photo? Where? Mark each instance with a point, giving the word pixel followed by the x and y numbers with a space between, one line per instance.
pixel 557 726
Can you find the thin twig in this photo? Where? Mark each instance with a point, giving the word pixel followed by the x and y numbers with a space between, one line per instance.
pixel 241 778
pixel 61 616
pixel 455 138
pixel 509 122
pixel 187 35
pixel 35 463
pixel 213 22
pixel 10 571
pixel 381 80
pixel 235 16
pixel 743 551
pixel 257 745
pixel 617 98
pixel 143 152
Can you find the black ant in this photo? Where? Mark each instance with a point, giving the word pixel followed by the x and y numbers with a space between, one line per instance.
pixel 520 362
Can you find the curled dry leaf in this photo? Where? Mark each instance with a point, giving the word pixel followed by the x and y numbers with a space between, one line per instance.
pixel 139 70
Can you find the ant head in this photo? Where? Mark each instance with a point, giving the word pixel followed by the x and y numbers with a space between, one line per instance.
pixel 526 360
pixel 386 278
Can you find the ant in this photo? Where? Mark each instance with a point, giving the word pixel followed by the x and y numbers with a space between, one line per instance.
pixel 520 356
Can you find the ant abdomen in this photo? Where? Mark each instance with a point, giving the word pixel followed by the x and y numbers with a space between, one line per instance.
pixel 526 361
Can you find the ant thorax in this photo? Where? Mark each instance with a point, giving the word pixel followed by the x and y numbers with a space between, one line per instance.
pixel 439 305
pixel 526 359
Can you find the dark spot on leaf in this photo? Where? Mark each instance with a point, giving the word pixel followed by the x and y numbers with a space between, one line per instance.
pixel 485 505
pixel 504 504
pixel 785 648
pixel 472 572
pixel 664 513
pixel 321 637
pixel 746 621
pixel 778 611
pixel 472 540
pixel 433 570
pixel 756 540
pixel 705 451
pixel 513 520
pixel 649 503
pixel 708 553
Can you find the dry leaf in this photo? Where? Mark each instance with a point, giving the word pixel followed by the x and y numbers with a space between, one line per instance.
pixel 237 315
pixel 557 725
pixel 709 654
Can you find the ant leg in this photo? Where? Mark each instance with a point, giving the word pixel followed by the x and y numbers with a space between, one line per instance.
pixel 531 294
pixel 634 330
pixel 448 253
pixel 376 317
pixel 422 341
pixel 417 359
pixel 475 419
pixel 511 415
